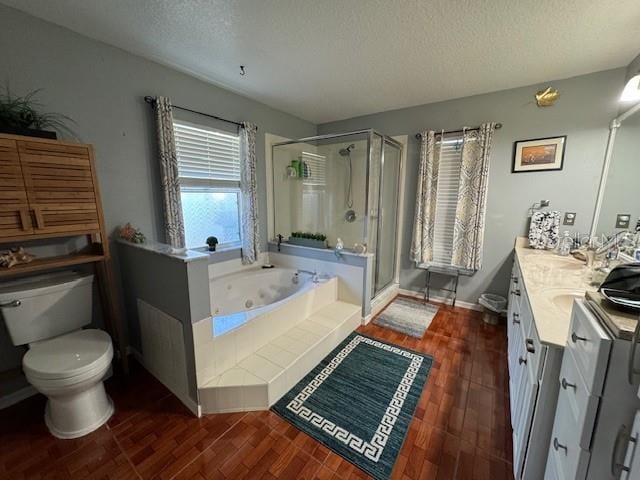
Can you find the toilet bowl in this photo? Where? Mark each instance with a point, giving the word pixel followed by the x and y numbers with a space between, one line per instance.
pixel 64 362
pixel 69 370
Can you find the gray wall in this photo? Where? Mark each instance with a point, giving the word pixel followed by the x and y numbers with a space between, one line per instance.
pixel 102 89
pixel 586 106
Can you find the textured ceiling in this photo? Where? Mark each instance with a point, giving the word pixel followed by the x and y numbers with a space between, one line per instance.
pixel 325 60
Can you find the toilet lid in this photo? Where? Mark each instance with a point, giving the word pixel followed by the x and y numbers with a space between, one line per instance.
pixel 68 355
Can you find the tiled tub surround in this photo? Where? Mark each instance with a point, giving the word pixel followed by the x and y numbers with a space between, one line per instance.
pixel 251 366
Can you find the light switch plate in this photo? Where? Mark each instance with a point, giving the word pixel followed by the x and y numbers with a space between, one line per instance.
pixel 623 220
pixel 569 218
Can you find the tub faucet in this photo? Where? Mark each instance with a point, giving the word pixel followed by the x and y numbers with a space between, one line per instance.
pixel 314 275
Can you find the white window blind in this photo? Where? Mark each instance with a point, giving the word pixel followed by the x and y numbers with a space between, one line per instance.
pixel 209 172
pixel 207 156
pixel 314 169
pixel 450 152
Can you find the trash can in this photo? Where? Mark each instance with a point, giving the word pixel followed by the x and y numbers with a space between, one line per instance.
pixel 494 307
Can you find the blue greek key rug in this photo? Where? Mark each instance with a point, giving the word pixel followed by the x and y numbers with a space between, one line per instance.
pixel 359 401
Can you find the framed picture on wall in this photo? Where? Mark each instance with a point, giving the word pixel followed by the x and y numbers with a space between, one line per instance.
pixel 538 154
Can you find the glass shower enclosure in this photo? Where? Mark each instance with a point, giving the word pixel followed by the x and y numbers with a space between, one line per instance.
pixel 343 186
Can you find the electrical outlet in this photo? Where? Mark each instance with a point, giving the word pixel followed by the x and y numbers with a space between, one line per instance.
pixel 569 218
pixel 623 220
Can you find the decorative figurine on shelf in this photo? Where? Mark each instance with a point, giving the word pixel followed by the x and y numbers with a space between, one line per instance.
pixel 131 234
pixel 212 242
pixel 15 256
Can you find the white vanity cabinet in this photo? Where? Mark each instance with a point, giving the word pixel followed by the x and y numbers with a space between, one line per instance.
pixel 533 384
pixel 594 435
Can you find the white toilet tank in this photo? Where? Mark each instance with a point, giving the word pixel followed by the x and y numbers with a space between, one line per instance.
pixel 45 306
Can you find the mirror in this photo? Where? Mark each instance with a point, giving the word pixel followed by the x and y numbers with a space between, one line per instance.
pixel 619 195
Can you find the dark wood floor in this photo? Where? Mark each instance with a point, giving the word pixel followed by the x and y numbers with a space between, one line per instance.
pixel 460 429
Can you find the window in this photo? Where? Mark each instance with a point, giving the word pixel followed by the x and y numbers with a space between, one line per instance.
pixel 314 182
pixel 209 171
pixel 450 161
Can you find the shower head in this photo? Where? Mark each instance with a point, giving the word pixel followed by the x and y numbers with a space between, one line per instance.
pixel 345 152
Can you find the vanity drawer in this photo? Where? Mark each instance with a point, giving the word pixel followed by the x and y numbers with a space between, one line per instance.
pixel 590 345
pixel 577 401
pixel 535 351
pixel 526 316
pixel 566 459
pixel 515 286
pixel 513 321
pixel 631 465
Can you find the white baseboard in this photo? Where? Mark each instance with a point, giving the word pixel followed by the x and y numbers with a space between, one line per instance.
pixel 447 301
pixel 185 399
pixel 17 396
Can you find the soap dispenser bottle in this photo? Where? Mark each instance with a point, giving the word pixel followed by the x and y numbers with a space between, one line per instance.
pixel 564 246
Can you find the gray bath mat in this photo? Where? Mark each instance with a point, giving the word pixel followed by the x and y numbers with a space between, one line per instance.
pixel 407 316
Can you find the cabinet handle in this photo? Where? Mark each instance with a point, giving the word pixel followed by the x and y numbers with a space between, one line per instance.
pixel 531 348
pixel 557 445
pixel 522 360
pixel 575 337
pixel 514 279
pixel 516 317
pixel 617 467
pixel 632 370
pixel 516 292
pixel 566 384
pixel 25 221
pixel 38 215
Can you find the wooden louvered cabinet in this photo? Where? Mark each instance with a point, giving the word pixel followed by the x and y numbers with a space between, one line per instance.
pixel 48 188
pixel 15 218
pixel 60 186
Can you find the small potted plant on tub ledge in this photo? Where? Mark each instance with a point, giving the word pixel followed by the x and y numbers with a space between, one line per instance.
pixel 306 239
pixel 212 242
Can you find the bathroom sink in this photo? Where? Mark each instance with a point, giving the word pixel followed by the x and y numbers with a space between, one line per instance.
pixel 562 298
pixel 564 301
pixel 560 262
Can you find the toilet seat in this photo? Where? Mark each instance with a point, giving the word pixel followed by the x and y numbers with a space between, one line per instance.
pixel 69 358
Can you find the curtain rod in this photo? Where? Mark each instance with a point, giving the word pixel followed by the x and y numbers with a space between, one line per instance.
pixel 152 101
pixel 498 127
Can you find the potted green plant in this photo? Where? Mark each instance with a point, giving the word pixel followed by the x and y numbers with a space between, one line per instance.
pixel 307 239
pixel 212 242
pixel 22 115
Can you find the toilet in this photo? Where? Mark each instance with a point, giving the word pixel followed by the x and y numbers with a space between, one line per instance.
pixel 64 362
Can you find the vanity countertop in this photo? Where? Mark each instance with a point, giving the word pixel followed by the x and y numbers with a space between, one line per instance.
pixel 551 283
pixel 622 324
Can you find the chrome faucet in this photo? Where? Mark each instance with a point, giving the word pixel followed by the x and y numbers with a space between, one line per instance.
pixel 314 275
pixel 614 243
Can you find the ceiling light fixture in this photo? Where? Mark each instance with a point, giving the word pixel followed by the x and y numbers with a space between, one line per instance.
pixel 631 92
pixel 547 97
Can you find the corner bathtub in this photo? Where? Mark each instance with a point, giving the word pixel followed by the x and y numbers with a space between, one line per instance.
pixel 240 297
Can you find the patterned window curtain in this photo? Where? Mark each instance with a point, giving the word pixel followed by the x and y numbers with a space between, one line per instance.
pixel 425 212
pixel 468 231
pixel 173 221
pixel 248 188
